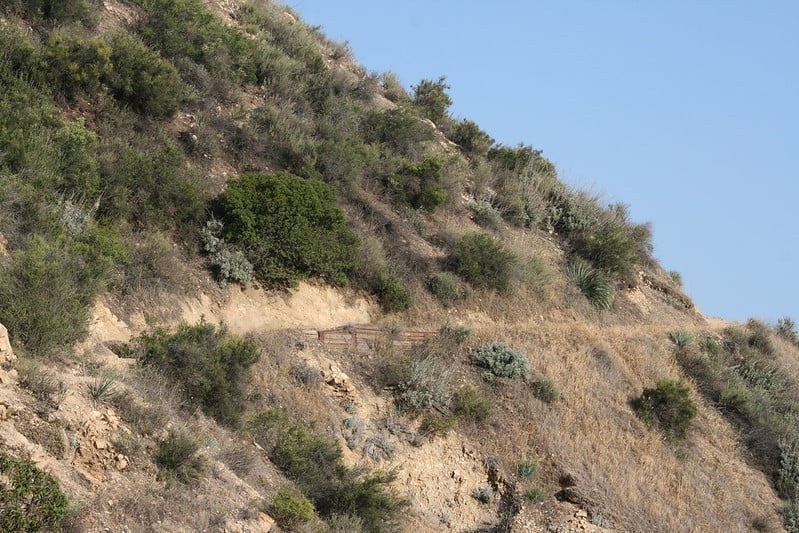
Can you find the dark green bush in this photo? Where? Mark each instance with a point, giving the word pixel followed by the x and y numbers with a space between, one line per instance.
pixel 77 66
pixel 484 262
pixel 57 11
pixel 210 366
pixel 30 500
pixel 290 509
pixel 518 158
pixel 420 184
pixel 469 403
pixel 501 360
pixel 392 293
pixel 142 79
pixel 345 163
pixel 786 328
pixel 289 228
pixel 668 407
pixel 471 139
pixel 432 99
pixel 177 455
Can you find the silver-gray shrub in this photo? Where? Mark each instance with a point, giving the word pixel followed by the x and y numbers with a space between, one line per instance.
pixel 428 386
pixel 228 263
pixel 501 360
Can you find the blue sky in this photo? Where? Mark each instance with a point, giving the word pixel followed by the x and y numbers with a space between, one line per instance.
pixel 687 111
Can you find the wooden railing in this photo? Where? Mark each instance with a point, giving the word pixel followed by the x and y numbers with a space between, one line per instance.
pixel 359 337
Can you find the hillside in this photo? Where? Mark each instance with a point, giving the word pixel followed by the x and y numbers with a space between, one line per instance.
pixel 249 286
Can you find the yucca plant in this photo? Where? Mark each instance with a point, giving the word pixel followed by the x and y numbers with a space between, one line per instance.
pixel 103 389
pixel 592 283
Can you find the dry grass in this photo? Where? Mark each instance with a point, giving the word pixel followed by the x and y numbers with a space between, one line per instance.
pixel 622 469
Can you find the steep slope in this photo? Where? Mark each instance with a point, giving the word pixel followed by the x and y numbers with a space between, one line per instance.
pixel 167 371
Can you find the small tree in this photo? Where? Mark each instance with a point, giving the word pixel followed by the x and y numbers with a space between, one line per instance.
pixel 431 97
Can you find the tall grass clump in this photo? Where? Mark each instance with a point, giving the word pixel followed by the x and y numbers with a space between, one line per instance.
pixel 500 360
pixel 592 283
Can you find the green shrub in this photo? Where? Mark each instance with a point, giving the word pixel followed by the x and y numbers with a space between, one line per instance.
pixel 289 228
pixel 432 99
pixel 420 184
pixel 30 500
pixel 46 294
pixel 210 366
pixel 187 29
pixel 397 129
pixel 345 163
pixel 392 88
pixel 787 483
pixel 447 287
pixel 535 273
pixel 76 66
pixel 518 158
pixel 177 455
pixel 76 151
pixel 469 403
pixel 153 188
pixel 392 293
pixel 545 389
pixel 434 424
pixel 142 79
pixel 484 262
pixel 735 396
pixel 501 360
pixel 668 407
pixel 592 283
pixel 676 277
pixel 454 333
pixel 58 11
pixel 615 245
pixel 315 464
pixel 471 139
pixel 290 509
